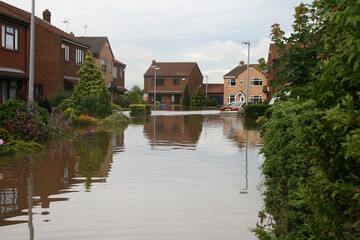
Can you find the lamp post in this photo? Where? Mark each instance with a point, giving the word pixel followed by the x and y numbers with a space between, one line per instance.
pixel 32 54
pixel 155 68
pixel 206 87
pixel 247 80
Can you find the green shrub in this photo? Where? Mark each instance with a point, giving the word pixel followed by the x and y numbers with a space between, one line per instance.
pixel 8 110
pixel 116 107
pixel 65 104
pixel 84 120
pixel 211 102
pixel 103 107
pixel 122 100
pixel 70 112
pixel 137 110
pixel 148 109
pixel 5 135
pixel 255 110
pixel 116 119
pixel 56 98
pixel 198 97
pixel 87 105
pixel 20 147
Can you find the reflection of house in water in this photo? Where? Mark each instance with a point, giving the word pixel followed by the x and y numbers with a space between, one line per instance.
pixel 174 131
pixel 234 129
pixel 56 172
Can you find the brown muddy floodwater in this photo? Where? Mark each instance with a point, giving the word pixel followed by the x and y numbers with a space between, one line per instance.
pixel 175 177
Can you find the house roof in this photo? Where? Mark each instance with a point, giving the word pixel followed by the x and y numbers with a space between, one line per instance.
pixel 96 44
pixel 171 69
pixel 118 62
pixel 213 87
pixel 25 16
pixel 241 68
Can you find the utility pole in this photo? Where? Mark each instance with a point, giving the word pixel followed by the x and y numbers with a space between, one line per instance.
pixel 32 55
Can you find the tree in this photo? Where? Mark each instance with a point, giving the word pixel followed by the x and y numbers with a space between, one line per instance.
pixel 186 97
pixel 91 80
pixel 198 97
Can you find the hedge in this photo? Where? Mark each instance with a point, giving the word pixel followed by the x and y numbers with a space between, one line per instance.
pixel 255 110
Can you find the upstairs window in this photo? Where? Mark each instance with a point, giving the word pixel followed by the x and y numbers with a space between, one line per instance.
pixel 176 81
pixel 115 73
pixel 103 64
pixel 10 38
pixel 110 66
pixel 256 81
pixel 121 72
pixel 159 82
pixel 231 82
pixel 67 53
pixel 79 57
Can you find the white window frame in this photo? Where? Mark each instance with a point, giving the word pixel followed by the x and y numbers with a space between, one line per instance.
pixel 241 81
pixel 79 57
pixel 256 98
pixel 231 98
pixel 115 72
pixel 231 81
pixel 103 64
pixel 110 66
pixel 6 42
pixel 67 53
pixel 256 82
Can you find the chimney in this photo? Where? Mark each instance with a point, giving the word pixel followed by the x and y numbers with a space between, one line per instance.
pixel 47 15
pixel 153 63
pixel 72 34
pixel 241 63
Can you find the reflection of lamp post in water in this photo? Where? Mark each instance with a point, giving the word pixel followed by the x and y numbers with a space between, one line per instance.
pixel 30 198
pixel 244 191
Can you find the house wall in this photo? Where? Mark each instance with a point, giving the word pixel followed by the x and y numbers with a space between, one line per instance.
pixel 14 59
pixel 253 90
pixel 195 79
pixel 69 68
pixel 105 53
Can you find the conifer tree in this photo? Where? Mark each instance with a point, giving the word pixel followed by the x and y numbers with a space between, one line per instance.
pixel 186 98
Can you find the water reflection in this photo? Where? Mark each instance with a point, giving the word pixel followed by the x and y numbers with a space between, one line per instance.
pixel 139 184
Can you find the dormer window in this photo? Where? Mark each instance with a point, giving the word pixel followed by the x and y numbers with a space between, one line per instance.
pixel 10 38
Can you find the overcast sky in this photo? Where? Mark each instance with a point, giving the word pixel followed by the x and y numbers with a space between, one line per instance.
pixel 208 32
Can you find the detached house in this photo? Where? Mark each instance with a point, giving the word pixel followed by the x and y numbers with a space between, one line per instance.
pixel 171 79
pixel 235 84
pixel 113 70
pixel 58 55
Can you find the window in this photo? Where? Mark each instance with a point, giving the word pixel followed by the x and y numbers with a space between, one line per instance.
pixel 110 66
pixel 231 82
pixel 230 98
pixel 176 81
pixel 121 72
pixel 8 90
pixel 159 97
pixel 67 53
pixel 256 81
pixel 38 91
pixel 115 73
pixel 10 38
pixel 241 81
pixel 79 57
pixel 159 82
pixel 255 98
pixel 103 64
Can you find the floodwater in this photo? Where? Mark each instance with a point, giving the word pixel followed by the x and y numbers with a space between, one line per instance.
pixel 177 176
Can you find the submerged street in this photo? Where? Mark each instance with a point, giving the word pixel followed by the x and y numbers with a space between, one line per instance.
pixel 179 175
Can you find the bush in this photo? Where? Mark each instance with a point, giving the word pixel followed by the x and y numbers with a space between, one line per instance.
pixel 5 135
pixel 65 104
pixel 8 110
pixel 198 98
pixel 211 102
pixel 148 109
pixel 103 107
pixel 20 147
pixel 84 120
pixel 70 112
pixel 56 98
pixel 115 107
pixel 122 100
pixel 137 110
pixel 116 119
pixel 88 105
pixel 255 110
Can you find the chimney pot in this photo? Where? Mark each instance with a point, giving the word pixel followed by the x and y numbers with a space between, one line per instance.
pixel 241 63
pixel 47 15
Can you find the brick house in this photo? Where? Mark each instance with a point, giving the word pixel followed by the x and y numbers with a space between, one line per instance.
pixel 14 53
pixel 58 55
pixel 214 91
pixel 104 58
pixel 171 79
pixel 235 84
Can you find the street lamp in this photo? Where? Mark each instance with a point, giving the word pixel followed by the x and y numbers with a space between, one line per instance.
pixel 32 54
pixel 206 87
pixel 247 80
pixel 155 68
